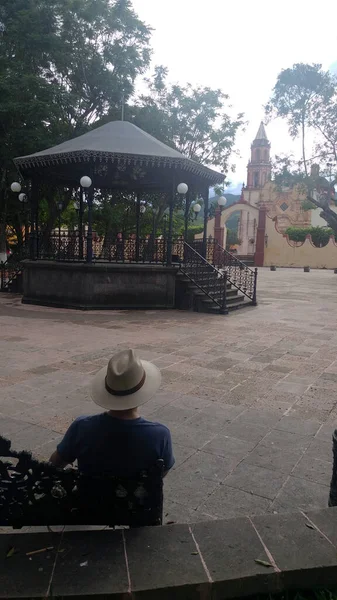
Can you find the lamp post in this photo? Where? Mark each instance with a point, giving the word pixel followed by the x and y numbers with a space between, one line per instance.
pixel 222 201
pixel 24 199
pixel 86 183
pixel 196 209
pixel 182 189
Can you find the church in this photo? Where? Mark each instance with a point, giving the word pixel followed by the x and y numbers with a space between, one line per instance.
pixel 282 202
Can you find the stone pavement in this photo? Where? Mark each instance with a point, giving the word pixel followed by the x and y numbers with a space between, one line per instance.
pixel 250 398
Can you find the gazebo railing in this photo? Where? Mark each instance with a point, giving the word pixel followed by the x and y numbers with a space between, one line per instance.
pixel 70 247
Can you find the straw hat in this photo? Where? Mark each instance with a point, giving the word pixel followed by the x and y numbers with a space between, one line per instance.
pixel 127 382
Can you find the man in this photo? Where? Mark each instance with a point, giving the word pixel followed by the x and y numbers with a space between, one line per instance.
pixel 118 441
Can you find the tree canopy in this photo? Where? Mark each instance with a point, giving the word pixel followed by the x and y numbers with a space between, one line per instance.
pixel 306 96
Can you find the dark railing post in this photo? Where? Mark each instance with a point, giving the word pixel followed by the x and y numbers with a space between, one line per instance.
pixel 2 269
pixel 33 222
pixel 204 239
pixel 224 309
pixel 137 227
pixel 80 226
pixel 255 287
pixel 89 233
pixel 170 226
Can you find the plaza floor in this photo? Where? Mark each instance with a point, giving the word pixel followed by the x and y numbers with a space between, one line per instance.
pixel 250 398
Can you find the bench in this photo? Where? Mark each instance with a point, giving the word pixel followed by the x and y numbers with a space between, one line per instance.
pixel 34 493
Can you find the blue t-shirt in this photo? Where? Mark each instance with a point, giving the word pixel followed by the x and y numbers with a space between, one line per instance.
pixel 122 447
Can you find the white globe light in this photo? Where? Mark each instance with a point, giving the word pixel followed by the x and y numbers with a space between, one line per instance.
pixel 222 201
pixel 142 208
pixel 182 188
pixel 196 208
pixel 22 197
pixel 85 181
pixel 16 186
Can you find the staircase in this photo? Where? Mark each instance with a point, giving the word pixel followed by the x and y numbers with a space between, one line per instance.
pixel 247 259
pixel 203 287
pixel 11 275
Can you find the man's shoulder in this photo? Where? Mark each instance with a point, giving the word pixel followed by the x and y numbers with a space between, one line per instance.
pixel 158 427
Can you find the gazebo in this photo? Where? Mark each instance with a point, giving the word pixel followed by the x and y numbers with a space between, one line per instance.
pixel 67 271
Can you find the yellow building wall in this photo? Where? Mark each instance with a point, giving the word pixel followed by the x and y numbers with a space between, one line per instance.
pixel 282 252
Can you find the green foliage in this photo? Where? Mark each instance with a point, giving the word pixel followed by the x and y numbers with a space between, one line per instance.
pixel 193 230
pixel 191 119
pixel 320 235
pixel 232 238
pixel 63 65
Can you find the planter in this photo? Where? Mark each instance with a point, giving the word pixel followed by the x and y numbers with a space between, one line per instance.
pixel 306 269
pixel 273 268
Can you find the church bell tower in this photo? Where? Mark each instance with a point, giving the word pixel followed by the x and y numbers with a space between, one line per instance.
pixel 259 166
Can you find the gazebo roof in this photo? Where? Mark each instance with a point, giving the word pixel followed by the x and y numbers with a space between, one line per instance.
pixel 119 141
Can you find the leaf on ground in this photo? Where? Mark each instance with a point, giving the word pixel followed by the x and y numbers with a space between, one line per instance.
pixel 309 526
pixel 10 552
pixel 194 553
pixel 264 563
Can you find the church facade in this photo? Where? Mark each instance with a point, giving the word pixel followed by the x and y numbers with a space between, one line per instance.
pixel 283 203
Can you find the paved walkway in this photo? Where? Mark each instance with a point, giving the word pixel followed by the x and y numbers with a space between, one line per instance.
pixel 250 398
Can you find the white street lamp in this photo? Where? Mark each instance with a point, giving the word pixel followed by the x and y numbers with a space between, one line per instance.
pixel 182 188
pixel 222 201
pixel 23 197
pixel 16 187
pixel 196 208
pixel 85 181
pixel 142 209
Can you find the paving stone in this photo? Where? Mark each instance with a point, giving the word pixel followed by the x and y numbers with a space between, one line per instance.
pixel 207 465
pixel 265 418
pixel 227 502
pixel 320 449
pixel 32 437
pixel 221 364
pixel 293 425
pixel 326 431
pixel 185 487
pixel 244 431
pixel 256 480
pixel 302 494
pixel 106 572
pixel 314 469
pixel 178 569
pixel 20 577
pixel 230 550
pixel 204 420
pixel 291 388
pixel 181 453
pixel 286 440
pixel 297 550
pixel 190 437
pixel 189 401
pixel 326 521
pixel 172 414
pixel 233 449
pixel 9 427
pixel 273 458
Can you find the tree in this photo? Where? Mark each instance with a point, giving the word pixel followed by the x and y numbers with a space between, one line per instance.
pixel 63 65
pixel 194 120
pixel 296 94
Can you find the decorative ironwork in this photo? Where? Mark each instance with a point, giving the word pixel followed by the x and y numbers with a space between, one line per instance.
pixel 238 273
pixel 12 267
pixel 204 275
pixel 36 493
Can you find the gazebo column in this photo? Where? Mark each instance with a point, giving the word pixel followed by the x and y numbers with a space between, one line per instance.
pixel 89 234
pixel 33 220
pixel 188 200
pixel 137 225
pixel 204 238
pixel 170 224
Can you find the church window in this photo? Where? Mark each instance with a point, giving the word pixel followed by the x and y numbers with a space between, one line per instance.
pixel 257 155
pixel 256 179
pixel 284 206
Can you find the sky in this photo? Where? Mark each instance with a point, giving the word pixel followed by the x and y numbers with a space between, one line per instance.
pixel 240 46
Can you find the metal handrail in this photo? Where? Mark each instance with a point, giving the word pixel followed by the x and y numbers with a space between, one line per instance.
pixel 238 273
pixel 193 261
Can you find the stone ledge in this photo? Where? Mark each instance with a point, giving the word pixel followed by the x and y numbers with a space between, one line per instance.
pixel 98 266
pixel 212 560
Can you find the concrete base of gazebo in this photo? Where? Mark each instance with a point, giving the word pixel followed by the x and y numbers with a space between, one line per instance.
pixel 98 285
